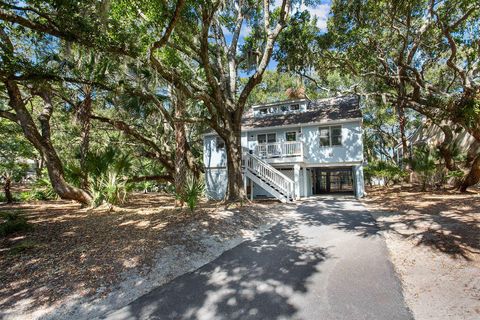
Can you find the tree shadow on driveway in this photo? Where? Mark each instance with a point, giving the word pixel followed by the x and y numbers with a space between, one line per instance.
pixel 257 279
pixel 253 281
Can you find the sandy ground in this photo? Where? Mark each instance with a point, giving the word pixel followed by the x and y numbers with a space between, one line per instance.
pixel 83 263
pixel 434 243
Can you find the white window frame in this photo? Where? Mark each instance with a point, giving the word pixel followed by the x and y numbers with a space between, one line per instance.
pixel 296 105
pixel 330 136
pixel 294 132
pixel 266 137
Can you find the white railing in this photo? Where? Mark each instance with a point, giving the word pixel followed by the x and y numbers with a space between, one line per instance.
pixel 269 174
pixel 279 149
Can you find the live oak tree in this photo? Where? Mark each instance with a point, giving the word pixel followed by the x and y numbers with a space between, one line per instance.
pixel 184 42
pixel 422 54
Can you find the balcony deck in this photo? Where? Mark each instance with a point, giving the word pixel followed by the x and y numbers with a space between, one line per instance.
pixel 280 152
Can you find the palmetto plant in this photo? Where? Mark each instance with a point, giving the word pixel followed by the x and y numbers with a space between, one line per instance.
pixel 109 189
pixel 192 193
pixel 424 164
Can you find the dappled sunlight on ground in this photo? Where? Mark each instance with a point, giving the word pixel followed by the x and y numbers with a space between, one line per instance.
pixel 76 251
pixel 446 221
pixel 434 244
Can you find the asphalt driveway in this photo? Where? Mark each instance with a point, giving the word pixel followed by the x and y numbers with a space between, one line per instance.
pixel 324 261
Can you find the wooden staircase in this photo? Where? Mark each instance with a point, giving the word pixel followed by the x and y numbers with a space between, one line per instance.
pixel 267 177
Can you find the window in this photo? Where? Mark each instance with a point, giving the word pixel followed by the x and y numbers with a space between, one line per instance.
pixel 274 110
pixel 294 107
pixel 284 108
pixel 267 137
pixel 263 111
pixel 336 135
pixel 325 137
pixel 291 136
pixel 220 144
pixel 330 136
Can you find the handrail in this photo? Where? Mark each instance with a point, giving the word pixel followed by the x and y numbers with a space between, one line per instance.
pixel 280 149
pixel 270 174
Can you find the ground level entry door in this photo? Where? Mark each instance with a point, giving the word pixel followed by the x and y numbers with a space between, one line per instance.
pixel 332 180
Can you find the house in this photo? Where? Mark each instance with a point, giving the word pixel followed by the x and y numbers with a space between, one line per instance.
pixel 431 135
pixel 293 149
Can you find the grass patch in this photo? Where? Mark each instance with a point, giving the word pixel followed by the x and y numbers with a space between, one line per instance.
pixel 11 222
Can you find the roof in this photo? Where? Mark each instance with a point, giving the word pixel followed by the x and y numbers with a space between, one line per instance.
pixel 338 108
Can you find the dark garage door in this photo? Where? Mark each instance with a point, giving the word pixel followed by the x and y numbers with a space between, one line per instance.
pixel 332 180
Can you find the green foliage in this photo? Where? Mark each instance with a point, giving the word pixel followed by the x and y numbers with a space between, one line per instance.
pixel 109 189
pixel 11 222
pixel 390 172
pixel 42 190
pixel 194 190
pixel 424 164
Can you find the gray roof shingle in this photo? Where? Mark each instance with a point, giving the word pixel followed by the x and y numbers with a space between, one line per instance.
pixel 338 108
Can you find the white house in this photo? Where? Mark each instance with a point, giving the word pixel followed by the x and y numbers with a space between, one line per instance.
pixel 293 149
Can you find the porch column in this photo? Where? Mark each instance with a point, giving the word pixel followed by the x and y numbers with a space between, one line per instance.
pixel 251 189
pixel 296 180
pixel 305 190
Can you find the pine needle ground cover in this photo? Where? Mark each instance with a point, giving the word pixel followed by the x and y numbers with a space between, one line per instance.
pixel 75 252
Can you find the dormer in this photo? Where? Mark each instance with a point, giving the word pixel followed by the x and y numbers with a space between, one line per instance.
pixel 280 108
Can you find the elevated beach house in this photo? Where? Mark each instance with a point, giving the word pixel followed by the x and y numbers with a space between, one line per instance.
pixel 293 149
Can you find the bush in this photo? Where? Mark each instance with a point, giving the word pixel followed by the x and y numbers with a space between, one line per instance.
pixel 193 192
pixel 16 197
pixel 12 222
pixel 108 189
pixel 41 190
pixel 384 170
pixel 424 164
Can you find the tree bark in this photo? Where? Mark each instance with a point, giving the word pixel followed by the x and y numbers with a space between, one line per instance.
pixel 473 177
pixel 402 122
pixel 43 144
pixel 181 164
pixel 84 114
pixel 445 148
pixel 7 184
pixel 235 189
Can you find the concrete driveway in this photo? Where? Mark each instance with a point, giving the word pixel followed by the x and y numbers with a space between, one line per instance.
pixel 324 261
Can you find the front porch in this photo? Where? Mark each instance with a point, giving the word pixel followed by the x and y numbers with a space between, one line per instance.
pixel 280 152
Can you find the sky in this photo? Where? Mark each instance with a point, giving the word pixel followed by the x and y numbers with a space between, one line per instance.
pixel 321 11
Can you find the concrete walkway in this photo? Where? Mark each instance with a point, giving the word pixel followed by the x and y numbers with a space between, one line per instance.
pixel 324 261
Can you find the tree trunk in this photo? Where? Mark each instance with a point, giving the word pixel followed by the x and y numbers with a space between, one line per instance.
pixel 43 144
pixel 7 188
pixel 181 164
pixel 402 123
pixel 84 114
pixel 473 177
pixel 445 148
pixel 235 189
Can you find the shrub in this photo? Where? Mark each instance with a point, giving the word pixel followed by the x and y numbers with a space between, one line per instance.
pixel 424 164
pixel 193 191
pixel 384 170
pixel 12 222
pixel 108 189
pixel 41 190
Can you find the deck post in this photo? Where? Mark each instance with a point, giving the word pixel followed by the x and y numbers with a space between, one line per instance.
pixel 296 180
pixel 305 185
pixel 251 189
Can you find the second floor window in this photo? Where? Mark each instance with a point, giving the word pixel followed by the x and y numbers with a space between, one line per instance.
pixel 267 138
pixel 330 136
pixel 291 136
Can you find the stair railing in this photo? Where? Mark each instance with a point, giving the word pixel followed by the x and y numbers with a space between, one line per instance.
pixel 269 174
